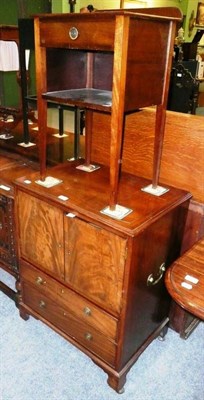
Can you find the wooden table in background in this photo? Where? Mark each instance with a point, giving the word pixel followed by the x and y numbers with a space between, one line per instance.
pixel 185 280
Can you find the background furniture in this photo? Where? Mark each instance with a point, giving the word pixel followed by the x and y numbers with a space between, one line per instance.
pixel 9 33
pixel 185 280
pixel 183 90
pixel 11 167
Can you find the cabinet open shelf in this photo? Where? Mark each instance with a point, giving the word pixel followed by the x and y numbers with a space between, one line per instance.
pixel 93 99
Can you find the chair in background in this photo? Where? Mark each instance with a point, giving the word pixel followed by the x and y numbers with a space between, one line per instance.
pixel 183 90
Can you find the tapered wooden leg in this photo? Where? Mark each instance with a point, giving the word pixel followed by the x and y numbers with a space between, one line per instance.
pixel 88 136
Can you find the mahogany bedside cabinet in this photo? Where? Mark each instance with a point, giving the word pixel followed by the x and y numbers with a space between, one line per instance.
pixel 94 241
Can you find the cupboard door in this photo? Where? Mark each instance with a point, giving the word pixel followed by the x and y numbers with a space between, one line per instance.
pixel 41 234
pixel 94 262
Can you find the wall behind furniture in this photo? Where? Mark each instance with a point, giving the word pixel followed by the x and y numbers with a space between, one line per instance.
pixel 8 16
pixel 10 11
pixel 186 6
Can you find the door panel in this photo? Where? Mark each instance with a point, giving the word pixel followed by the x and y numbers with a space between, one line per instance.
pixel 41 234
pixel 94 262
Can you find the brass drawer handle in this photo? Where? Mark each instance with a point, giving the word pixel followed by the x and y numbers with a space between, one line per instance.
pixel 87 311
pixel 73 33
pixel 151 280
pixel 40 281
pixel 88 336
pixel 42 304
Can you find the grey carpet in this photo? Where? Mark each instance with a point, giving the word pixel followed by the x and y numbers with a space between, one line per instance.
pixel 37 364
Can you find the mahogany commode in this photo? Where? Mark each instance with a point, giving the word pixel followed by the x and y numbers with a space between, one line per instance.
pixel 97 279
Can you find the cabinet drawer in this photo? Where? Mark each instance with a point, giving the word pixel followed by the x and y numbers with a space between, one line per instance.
pixel 84 310
pixel 77 34
pixel 60 317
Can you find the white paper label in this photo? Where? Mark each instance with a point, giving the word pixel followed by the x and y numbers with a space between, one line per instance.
pixel 4 187
pixel 191 279
pixel 186 285
pixel 62 197
pixel 70 215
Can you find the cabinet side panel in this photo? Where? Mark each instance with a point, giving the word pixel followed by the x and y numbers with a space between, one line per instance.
pixel 146 63
pixel 147 305
pixel 41 234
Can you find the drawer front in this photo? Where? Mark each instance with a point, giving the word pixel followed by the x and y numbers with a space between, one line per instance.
pixel 75 304
pixel 75 34
pixel 60 317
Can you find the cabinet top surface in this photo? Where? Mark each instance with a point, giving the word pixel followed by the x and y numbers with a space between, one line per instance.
pixel 12 167
pixel 87 194
pixel 169 13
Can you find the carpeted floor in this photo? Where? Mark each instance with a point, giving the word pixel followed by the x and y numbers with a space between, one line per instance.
pixel 37 364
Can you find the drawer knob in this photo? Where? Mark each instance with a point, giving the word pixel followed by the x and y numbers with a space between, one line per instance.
pixel 73 33
pixel 40 281
pixel 42 304
pixel 87 311
pixel 88 336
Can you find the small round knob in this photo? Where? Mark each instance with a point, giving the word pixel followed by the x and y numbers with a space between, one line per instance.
pixel 87 311
pixel 88 336
pixel 73 33
pixel 40 281
pixel 42 304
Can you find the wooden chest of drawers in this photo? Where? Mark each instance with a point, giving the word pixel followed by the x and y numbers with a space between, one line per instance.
pixel 95 280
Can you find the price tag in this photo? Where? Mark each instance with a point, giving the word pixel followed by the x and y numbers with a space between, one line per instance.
pixel 191 279
pixel 4 187
pixel 186 285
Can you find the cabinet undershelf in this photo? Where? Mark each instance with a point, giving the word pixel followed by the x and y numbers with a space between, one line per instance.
pixel 86 98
